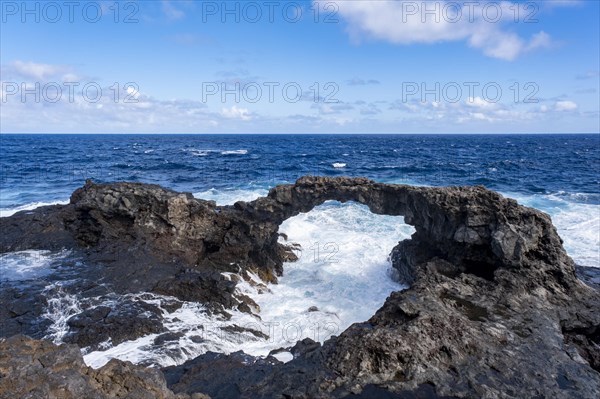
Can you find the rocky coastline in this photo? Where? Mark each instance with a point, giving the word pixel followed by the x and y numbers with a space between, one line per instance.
pixel 495 307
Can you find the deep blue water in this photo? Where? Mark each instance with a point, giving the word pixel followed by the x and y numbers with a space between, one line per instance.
pixel 42 168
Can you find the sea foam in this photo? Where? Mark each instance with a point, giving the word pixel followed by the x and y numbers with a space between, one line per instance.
pixel 28 265
pixel 343 276
pixel 5 212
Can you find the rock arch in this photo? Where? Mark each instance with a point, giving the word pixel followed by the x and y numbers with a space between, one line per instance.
pixel 175 244
pixel 495 305
pixel 474 229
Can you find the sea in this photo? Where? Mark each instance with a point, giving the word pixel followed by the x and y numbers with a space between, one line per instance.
pixel 343 275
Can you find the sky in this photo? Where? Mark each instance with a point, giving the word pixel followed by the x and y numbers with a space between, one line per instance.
pixel 346 66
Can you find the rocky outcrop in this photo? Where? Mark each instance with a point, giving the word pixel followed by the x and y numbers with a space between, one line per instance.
pixel 40 369
pixel 153 239
pixel 494 308
pixel 127 320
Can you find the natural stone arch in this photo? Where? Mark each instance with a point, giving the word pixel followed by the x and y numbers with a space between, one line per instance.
pixel 452 332
pixel 186 243
pixel 476 230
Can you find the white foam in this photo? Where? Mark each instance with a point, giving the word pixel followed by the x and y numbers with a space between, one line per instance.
pixel 343 271
pixel 342 277
pixel 578 224
pixel 5 212
pixel 28 265
pixel 206 152
pixel 283 356
pixel 202 153
pixel 61 306
pixel 343 274
pixel 199 152
pixel 200 333
pixel 230 197
pixel 338 165
pixel 579 227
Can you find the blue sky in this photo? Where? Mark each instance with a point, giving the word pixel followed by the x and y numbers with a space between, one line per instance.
pixel 355 67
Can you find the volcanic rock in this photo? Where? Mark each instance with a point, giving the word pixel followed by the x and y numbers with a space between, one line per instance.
pixel 495 307
pixel 39 369
pixel 127 320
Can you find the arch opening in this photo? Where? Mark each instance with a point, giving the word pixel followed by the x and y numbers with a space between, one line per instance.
pixel 343 273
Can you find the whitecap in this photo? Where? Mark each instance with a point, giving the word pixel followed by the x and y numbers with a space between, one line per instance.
pixel 283 356
pixel 28 265
pixel 234 152
pixel 231 196
pixel 338 165
pixel 199 332
pixel 199 152
pixel 343 276
pixel 577 223
pixel 5 212
pixel 61 306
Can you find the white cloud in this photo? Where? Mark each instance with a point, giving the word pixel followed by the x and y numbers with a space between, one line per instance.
pixel 398 23
pixel 236 113
pixel 171 12
pixel 39 72
pixel 133 92
pixel 540 40
pixel 565 106
pixel 126 110
pixel 466 113
pixel 588 75
pixel 479 102
pixel 481 116
pixel 145 114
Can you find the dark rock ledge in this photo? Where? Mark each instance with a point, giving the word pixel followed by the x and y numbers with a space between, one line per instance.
pixel 494 309
pixel 36 369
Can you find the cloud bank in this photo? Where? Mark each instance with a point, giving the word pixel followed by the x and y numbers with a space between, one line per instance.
pixel 488 26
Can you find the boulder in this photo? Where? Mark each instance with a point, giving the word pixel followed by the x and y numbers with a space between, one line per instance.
pixel 39 369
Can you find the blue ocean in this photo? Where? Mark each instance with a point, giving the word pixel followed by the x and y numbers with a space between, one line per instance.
pixel 343 267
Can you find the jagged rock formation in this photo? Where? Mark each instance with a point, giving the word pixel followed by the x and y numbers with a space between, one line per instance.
pixel 39 369
pixel 128 320
pixel 495 308
pixel 150 238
